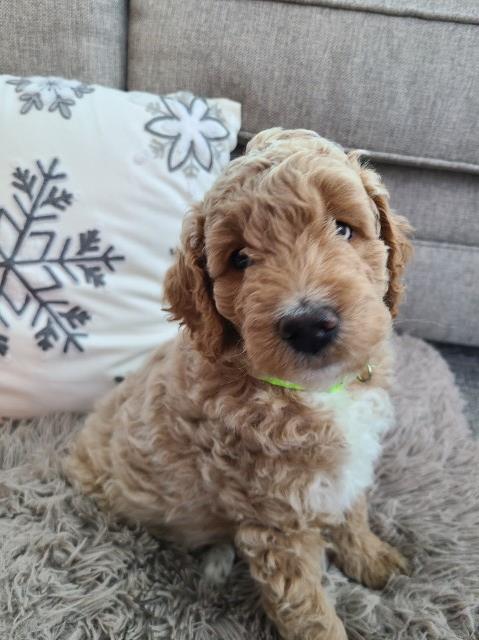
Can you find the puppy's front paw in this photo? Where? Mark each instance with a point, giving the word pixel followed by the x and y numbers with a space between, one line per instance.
pixel 371 562
pixel 334 631
pixel 382 563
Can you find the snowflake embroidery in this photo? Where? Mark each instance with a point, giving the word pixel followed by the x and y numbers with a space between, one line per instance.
pixel 30 272
pixel 190 131
pixel 56 94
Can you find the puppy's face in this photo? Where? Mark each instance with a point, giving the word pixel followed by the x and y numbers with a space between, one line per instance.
pixel 292 257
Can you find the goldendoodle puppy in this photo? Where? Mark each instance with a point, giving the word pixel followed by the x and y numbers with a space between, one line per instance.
pixel 261 422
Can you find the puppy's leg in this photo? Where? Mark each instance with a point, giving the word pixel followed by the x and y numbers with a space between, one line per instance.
pixel 287 567
pixel 359 553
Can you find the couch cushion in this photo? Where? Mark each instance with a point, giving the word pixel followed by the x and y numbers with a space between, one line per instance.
pixel 399 85
pixel 442 301
pixel 84 39
pixel 441 205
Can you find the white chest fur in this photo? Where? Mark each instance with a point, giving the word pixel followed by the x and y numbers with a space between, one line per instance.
pixel 363 415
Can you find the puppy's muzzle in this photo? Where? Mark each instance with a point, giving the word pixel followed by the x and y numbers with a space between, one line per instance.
pixel 310 328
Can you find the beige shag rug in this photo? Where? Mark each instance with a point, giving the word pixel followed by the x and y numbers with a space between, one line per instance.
pixel 66 573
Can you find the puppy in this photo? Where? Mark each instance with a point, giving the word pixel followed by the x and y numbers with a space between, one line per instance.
pixel 260 423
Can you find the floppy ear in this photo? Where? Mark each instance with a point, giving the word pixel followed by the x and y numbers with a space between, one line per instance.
pixel 395 232
pixel 189 290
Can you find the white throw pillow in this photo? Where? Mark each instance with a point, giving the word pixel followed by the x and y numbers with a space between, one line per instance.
pixel 94 184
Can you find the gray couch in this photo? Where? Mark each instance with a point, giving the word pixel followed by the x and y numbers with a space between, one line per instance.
pixel 399 80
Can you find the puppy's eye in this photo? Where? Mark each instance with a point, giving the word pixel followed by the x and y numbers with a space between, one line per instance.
pixel 344 230
pixel 240 260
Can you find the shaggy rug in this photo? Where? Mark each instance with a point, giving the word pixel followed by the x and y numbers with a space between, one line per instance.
pixel 68 573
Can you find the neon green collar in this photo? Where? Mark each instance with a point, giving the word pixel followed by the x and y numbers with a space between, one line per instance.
pixel 339 386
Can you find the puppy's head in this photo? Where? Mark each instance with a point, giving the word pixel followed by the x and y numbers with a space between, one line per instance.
pixel 295 257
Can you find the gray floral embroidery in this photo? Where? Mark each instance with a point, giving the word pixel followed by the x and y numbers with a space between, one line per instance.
pixel 190 132
pixel 3 344
pixel 55 94
pixel 30 270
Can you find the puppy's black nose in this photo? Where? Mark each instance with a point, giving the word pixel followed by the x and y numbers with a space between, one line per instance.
pixel 310 330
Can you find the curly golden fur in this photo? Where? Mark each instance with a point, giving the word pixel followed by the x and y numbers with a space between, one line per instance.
pixel 200 450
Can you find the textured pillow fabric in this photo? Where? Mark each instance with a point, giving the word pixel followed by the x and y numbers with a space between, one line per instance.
pixel 94 183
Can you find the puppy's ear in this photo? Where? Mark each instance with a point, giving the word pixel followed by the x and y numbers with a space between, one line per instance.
pixel 395 232
pixel 189 290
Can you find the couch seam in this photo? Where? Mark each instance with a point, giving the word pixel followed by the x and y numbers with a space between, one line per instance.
pixel 388 157
pixel 439 244
pixel 385 12
pixel 127 44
